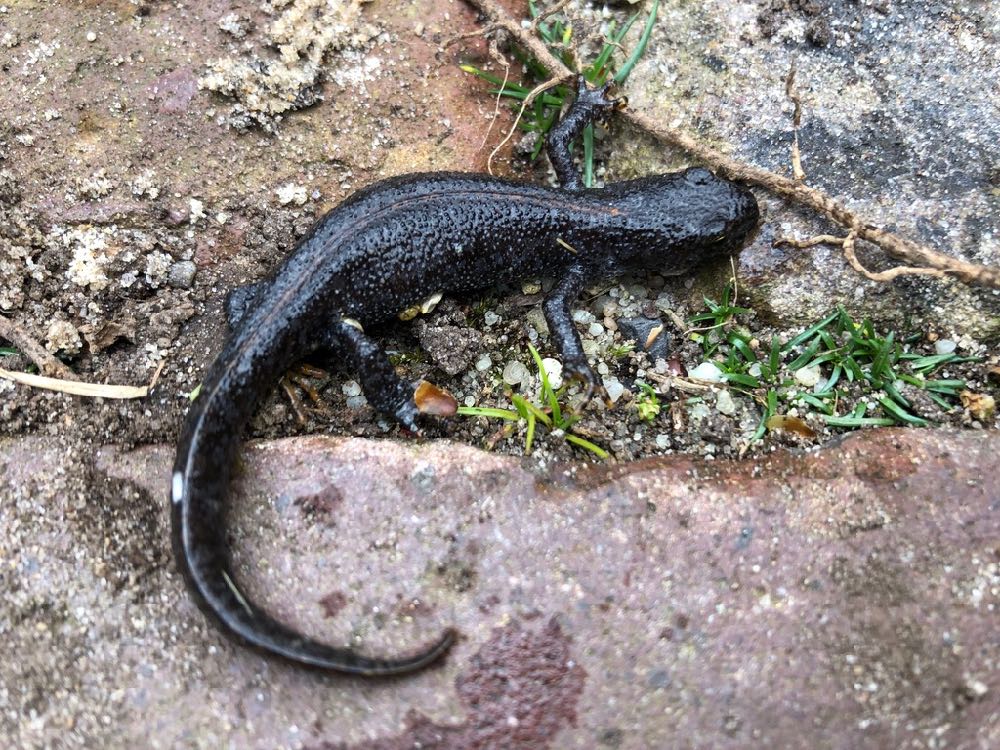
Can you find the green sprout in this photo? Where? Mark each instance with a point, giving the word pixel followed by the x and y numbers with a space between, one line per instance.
pixel 647 403
pixel 852 356
pixel 620 351
pixel 550 412
pixel 544 110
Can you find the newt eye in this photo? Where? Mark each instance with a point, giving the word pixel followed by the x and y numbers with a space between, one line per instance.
pixel 699 176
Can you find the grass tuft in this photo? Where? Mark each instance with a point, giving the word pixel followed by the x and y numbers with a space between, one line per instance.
pixel 549 411
pixel 544 112
pixel 853 359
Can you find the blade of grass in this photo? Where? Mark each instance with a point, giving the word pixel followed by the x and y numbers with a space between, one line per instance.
pixel 809 332
pixel 858 421
pixel 489 412
pixel 520 404
pixel 743 348
pixel 940 401
pixel 594 72
pixel 529 438
pixel 539 414
pixel 895 395
pixel 748 381
pixel 547 394
pixel 586 445
pixel 900 413
pixel 647 31
pixel 816 403
pixel 805 357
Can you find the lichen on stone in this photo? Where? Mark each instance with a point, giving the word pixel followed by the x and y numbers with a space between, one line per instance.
pixel 90 256
pixel 266 87
pixel 62 336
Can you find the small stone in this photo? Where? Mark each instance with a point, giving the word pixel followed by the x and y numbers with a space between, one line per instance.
pixel 708 372
pixel 531 287
pixel 662 441
pixel 664 302
pixel 725 404
pixel 604 306
pixel 595 329
pixel 351 388
pixel 91 36
pixel 944 346
pixel 181 274
pixel 484 363
pixel 975 688
pixel 196 210
pixel 292 193
pixel 452 348
pixel 156 268
pixel 234 25
pixel 807 376
pixel 515 373
pixel 553 371
pixel 536 319
pixel 638 291
pixel 642 330
pixel 614 389
pixel 490 318
pixel 583 316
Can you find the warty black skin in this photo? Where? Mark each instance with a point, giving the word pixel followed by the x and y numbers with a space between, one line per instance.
pixel 384 249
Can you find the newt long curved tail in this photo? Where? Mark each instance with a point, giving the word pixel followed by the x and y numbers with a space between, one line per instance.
pixel 200 483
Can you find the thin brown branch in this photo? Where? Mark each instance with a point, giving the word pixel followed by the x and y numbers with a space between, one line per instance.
pixel 540 88
pixel 549 12
pixel 848 244
pixel 34 351
pixel 793 96
pixel 907 251
pixel 485 31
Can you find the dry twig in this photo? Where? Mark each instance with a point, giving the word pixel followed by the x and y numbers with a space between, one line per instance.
pixel 34 351
pixel 76 388
pixel 905 250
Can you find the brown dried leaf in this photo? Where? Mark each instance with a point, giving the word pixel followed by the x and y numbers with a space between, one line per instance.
pixel 980 406
pixel 790 424
pixel 433 400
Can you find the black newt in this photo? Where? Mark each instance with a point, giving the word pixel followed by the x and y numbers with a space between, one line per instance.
pixel 386 248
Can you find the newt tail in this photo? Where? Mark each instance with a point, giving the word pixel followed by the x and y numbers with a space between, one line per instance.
pixel 244 371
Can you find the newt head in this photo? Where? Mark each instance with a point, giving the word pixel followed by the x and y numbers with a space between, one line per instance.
pixel 690 218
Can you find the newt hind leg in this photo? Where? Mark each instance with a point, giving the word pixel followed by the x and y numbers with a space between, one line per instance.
pixel 388 394
pixel 240 301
